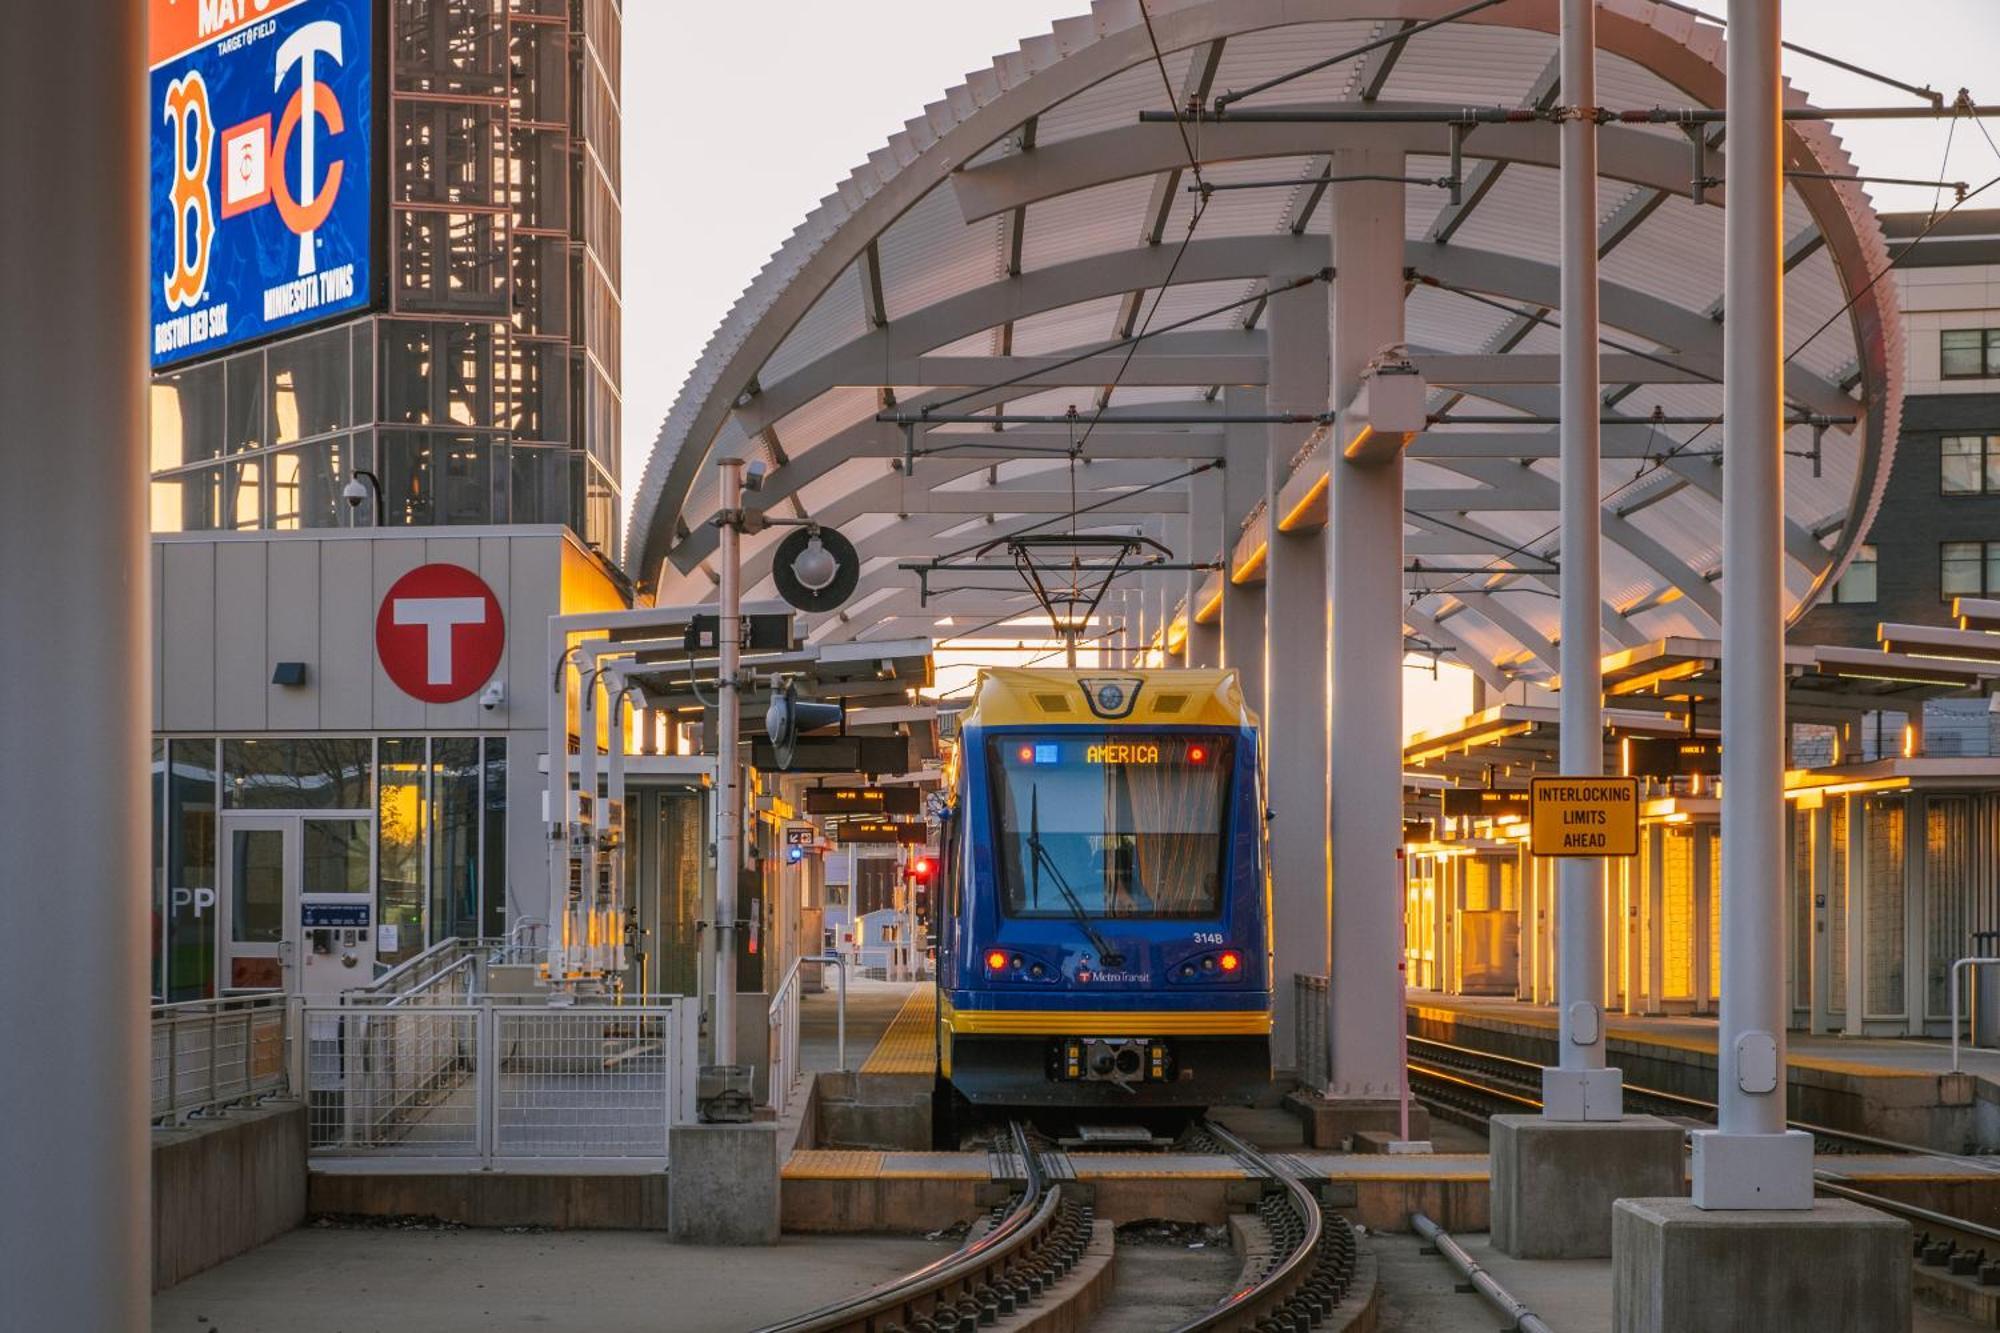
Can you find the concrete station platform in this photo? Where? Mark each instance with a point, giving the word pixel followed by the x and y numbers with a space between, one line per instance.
pixel 1901 1090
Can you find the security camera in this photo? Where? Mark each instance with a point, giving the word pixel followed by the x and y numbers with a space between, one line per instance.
pixel 754 473
pixel 354 492
pixel 494 695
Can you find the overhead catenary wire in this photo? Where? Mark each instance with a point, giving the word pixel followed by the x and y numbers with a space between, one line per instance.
pixel 1400 35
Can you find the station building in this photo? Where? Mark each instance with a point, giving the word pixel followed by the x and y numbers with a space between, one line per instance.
pixel 1893 794
pixel 384 423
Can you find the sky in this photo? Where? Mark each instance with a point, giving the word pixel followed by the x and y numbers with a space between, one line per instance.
pixel 739 118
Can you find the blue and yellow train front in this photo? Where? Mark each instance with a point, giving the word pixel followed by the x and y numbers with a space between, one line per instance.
pixel 1104 932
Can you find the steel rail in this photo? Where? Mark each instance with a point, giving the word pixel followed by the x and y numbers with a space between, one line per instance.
pixel 929 1292
pixel 1253 1302
pixel 1694 1103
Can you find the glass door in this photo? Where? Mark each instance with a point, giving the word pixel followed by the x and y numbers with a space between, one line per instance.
pixel 261 873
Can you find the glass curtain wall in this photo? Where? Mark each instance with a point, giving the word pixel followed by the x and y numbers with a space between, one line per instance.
pixel 439 831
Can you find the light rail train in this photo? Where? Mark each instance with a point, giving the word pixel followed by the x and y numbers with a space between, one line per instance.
pixel 1103 905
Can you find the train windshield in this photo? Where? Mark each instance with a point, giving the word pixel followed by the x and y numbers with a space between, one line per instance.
pixel 1116 824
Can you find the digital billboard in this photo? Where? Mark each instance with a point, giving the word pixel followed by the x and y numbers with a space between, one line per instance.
pixel 262 120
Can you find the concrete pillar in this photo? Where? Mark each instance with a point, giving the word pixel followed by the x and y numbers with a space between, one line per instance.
pixel 1365 622
pixel 1750 1160
pixel 1242 490
pixel 76 654
pixel 1204 642
pixel 1295 762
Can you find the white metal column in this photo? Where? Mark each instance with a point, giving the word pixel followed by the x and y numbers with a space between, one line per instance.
pixel 729 765
pixel 1243 605
pixel 1204 642
pixel 1365 621
pixel 1580 1087
pixel 1750 1160
pixel 77 659
pixel 1295 763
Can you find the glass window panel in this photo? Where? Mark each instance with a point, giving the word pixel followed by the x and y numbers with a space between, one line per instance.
pixel 1992 568
pixel 245 426
pixel 336 856
pixel 493 851
pixel 1960 464
pixel 190 871
pixel 406 372
pixel 1991 472
pixel 188 502
pixel 408 499
pixel 541 485
pixel 305 486
pixel 401 812
pixel 158 786
pixel 1961 353
pixel 454 837
pixel 309 387
pixel 242 505
pixel 1959 569
pixel 307 773
pixel 257 886
pixel 464 480
pixel 1993 351
pixel 185 417
pixel 1882 827
pixel 1858 583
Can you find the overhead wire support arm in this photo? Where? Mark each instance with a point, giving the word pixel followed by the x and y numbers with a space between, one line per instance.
pixel 1150 419
pixel 1364 114
pixel 1927 92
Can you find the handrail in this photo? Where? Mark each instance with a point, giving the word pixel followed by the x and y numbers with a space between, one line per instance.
pixel 385 981
pixel 784 1024
pixel 1955 988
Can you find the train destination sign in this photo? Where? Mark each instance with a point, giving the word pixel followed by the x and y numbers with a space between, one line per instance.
pixel 1585 816
pixel 1672 757
pixel 1484 803
pixel 864 801
pixel 850 831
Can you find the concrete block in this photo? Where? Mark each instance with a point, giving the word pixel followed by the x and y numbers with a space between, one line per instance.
pixel 225 1185
pixel 722 1184
pixel 1331 1122
pixel 1678 1269
pixel 1554 1181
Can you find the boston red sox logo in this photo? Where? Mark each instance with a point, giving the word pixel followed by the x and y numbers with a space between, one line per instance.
pixel 440 633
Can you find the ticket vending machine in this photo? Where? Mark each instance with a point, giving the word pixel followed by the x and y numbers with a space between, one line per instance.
pixel 298 903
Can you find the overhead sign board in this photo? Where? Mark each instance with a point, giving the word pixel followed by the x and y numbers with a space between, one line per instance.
pixel 1584 816
pixel 440 633
pixel 838 754
pixel 1672 757
pixel 864 800
pixel 798 835
pixel 1483 803
pixel 880 830
pixel 263 121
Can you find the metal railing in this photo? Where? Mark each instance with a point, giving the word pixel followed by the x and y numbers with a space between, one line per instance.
pixel 208 1054
pixel 784 1015
pixel 1957 985
pixel 495 1079
pixel 1313 1049
pixel 450 971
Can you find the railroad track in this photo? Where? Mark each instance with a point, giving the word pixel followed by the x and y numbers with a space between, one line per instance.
pixel 1034 1242
pixel 1310 1264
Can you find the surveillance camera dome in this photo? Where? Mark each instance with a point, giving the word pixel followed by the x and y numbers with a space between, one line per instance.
pixel 815 566
pixel 355 491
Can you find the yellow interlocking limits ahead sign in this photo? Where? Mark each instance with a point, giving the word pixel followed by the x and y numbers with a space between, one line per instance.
pixel 1584 816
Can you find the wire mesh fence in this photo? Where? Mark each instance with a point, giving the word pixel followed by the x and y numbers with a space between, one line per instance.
pixel 208 1054
pixel 494 1079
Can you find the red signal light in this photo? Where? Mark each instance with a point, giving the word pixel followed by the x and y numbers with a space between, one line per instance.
pixel 921 867
pixel 996 961
pixel 1026 754
pixel 1230 962
pixel 1197 754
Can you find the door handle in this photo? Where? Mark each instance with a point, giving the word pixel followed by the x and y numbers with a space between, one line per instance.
pixel 287 950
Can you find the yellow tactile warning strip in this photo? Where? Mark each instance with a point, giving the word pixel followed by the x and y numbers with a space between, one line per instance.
pixel 1639 1034
pixel 910 1044
pixel 838 1164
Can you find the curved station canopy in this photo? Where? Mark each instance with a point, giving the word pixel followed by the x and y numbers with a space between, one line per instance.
pixel 1090 286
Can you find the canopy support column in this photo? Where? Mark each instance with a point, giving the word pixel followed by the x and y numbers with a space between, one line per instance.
pixel 1365 619
pixel 1750 1160
pixel 1580 1087
pixel 76 655
pixel 1295 763
pixel 1243 605
pixel 1204 642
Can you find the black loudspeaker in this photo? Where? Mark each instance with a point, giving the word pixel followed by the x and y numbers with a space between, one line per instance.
pixel 787 719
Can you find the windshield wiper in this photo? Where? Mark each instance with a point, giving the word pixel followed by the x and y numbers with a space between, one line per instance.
pixel 1109 956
